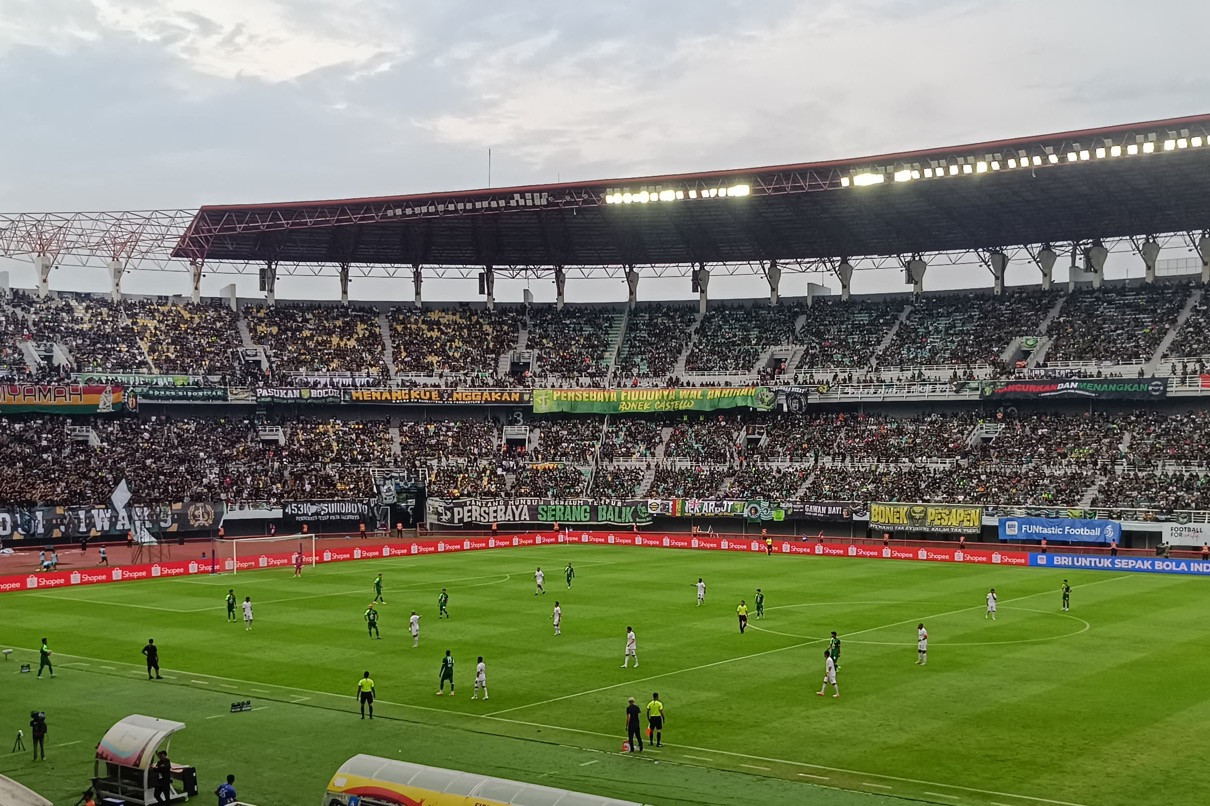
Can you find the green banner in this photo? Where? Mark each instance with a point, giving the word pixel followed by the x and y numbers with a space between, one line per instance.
pixel 643 401
pixel 182 393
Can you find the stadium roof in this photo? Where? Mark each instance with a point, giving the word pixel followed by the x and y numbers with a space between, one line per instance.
pixel 1131 180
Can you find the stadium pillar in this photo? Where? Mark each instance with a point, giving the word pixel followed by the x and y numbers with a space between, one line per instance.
pixel 344 283
pixel 773 275
pixel 489 286
pixel 195 275
pixel 845 273
pixel 1046 259
pixel 227 292
pixel 1203 249
pixel 268 281
pixel 632 282
pixel 43 264
pixel 115 279
pixel 703 282
pixel 914 270
pixel 998 262
pixel 417 281
pixel 1094 263
pixel 1149 251
pixel 560 287
pixel 4 284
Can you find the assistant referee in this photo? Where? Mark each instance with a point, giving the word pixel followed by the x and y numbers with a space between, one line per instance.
pixel 365 693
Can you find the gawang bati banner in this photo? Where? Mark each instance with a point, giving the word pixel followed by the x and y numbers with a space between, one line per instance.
pixel 935 518
pixel 498 397
pixel 484 511
pixel 62 398
pixel 1092 388
pixel 753 510
pixel 639 401
pixel 320 511
pixel 41 523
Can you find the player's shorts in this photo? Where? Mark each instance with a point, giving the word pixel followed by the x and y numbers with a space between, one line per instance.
pixel 922 646
pixel 367 696
pixel 655 722
pixel 830 679
pixel 481 681
pixel 415 633
pixel 448 677
pixel 991 608
pixel 630 650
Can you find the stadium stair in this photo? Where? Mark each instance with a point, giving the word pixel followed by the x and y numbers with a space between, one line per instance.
pixel 1152 366
pixel 396 440
pixel 245 335
pixel 678 370
pixel 1044 325
pixel 618 331
pixel 388 344
pixel 661 450
pixel 646 482
pixel 890 335
pixel 1039 353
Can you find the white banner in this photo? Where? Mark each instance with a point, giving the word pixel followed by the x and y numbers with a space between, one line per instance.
pixel 1186 534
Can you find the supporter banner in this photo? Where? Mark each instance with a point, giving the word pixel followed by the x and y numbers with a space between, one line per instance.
pixel 38 523
pixel 494 397
pixel 1146 565
pixel 63 398
pixel 286 394
pixel 139 379
pixel 572 511
pixel 1065 530
pixel 934 518
pixel 321 511
pixel 1097 388
pixel 637 401
pixel 182 393
pixel 753 510
pixel 1186 534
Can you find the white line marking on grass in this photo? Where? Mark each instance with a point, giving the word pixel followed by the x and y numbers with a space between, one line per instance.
pixel 699 758
pixel 257 708
pixel 61 597
pixel 942 795
pixel 109 668
pixel 874 785
pixel 356 592
pixel 816 777
pixel 1041 639
pixel 201 682
pixel 612 736
pixel 69 744
pixel 586 763
pixel 755 767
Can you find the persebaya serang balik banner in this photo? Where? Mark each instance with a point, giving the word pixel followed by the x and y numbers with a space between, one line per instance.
pixel 935 518
pixel 483 511
pixel 53 398
pixel 43 523
pixel 641 401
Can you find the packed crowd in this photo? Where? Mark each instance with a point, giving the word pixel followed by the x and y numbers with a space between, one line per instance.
pixel 463 340
pixel 709 439
pixel 476 479
pixel 1149 490
pixel 440 439
pixel 13 328
pixel 845 334
pixel 673 481
pixel 630 439
pixel 338 442
pixel 318 338
pixel 617 482
pixel 845 436
pixel 187 339
pixel 656 335
pixel 966 328
pixel 1115 325
pixel 574 439
pixel 731 338
pixel 765 482
pixel 573 342
pixel 1193 339
pixel 549 480
pixel 971 483
pixel 95 330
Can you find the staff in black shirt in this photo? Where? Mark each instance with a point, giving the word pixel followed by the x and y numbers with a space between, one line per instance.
pixel 162 786
pixel 153 658
pixel 634 733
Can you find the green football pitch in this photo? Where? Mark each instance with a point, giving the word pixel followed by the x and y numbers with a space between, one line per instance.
pixel 1105 704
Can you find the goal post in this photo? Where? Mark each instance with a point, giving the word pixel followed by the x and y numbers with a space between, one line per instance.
pixel 265 552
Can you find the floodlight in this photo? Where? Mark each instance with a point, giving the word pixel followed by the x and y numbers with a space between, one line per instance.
pixel 980 167
pixel 928 173
pixel 903 176
pixel 1132 149
pixel 915 173
pixel 1115 151
pixel 1100 152
pixel 1149 147
pixel 627 198
pixel 680 194
pixel 693 193
pixel 1182 142
pixel 868 179
pixel 1084 153
pixel 844 181
pixel 1071 156
pixel 1169 145
pixel 1196 142
pixel 1012 162
pixel 667 195
pixel 953 170
pixel 643 197
pixel 1037 160
pixel 738 190
pixel 1053 158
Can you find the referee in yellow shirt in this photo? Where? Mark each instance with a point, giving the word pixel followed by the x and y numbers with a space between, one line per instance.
pixel 655 720
pixel 742 612
pixel 365 693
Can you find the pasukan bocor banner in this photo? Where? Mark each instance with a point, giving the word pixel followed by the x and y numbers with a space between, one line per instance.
pixel 42 523
pixel 419 397
pixel 643 401
pixel 54 398
pixel 483 511
pixel 934 518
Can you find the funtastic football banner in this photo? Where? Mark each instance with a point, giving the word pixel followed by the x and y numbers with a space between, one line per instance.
pixel 491 397
pixel 1061 530
pixel 42 523
pixel 1093 388
pixel 642 401
pixel 483 511
pixel 931 518
pixel 62 398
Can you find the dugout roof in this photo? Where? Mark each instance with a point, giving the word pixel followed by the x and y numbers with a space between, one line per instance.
pixel 1137 179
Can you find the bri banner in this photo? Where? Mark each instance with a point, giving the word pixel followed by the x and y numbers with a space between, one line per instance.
pixel 642 401
pixel 1145 565
pixel 1063 530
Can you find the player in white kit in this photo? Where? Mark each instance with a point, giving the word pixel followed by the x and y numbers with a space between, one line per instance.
pixel 247 612
pixel 632 649
pixel 539 581
pixel 922 645
pixel 829 675
pixel 557 618
pixel 414 623
pixel 991 605
pixel 480 680
pixel 701 592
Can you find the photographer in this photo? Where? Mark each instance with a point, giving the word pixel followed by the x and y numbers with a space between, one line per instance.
pixel 37 727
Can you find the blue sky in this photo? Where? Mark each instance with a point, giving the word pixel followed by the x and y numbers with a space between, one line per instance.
pixel 135 104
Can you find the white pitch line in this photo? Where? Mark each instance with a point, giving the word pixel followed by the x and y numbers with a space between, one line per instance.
pixel 62 598
pixel 698 758
pixel 754 767
pixel 872 784
pixel 69 744
pixel 110 668
pixel 218 716
pixel 816 777
pixel 942 795
pixel 201 682
pixel 586 763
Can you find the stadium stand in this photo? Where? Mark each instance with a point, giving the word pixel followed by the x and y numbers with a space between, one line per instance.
pixel 656 336
pixel 574 343
pixel 846 335
pixel 1115 326
pixel 732 337
pixel 318 338
pixel 187 339
pixel 94 330
pixel 459 341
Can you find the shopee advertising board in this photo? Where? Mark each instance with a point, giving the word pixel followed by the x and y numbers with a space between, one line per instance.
pixel 250 562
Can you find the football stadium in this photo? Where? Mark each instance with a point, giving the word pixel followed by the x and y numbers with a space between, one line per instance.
pixel 916 545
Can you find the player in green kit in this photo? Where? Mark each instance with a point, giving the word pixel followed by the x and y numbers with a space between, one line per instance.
pixel 570 573
pixel 378 589
pixel 443 599
pixel 371 618
pixel 231 606
pixel 760 604
pixel 834 649
pixel 447 674
pixel 1066 595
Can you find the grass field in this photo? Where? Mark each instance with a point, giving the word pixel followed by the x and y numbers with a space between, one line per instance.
pixel 1098 706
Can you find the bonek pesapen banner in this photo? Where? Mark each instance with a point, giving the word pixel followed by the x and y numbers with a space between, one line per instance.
pixel 643 401
pixel 934 518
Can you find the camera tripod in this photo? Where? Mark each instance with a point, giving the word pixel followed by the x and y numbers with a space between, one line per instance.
pixel 19 744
